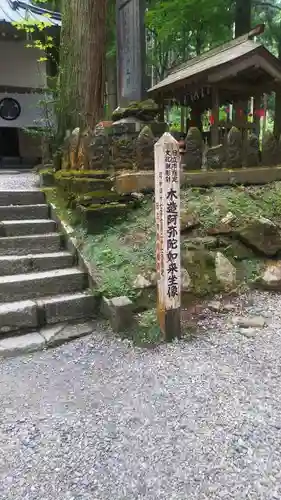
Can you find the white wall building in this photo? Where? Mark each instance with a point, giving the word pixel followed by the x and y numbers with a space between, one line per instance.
pixel 23 82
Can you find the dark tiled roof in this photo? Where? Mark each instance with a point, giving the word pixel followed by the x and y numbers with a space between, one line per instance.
pixel 16 11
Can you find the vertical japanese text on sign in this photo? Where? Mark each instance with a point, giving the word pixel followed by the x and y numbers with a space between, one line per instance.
pixel 167 208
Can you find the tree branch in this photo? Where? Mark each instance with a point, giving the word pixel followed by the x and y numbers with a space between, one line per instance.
pixel 268 4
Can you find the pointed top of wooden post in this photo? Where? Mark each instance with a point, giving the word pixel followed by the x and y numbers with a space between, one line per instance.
pixel 167 138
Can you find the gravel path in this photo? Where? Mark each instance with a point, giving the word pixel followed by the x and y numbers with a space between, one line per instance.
pixel 100 420
pixel 17 180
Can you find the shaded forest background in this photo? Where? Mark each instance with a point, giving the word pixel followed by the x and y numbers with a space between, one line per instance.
pixel 176 30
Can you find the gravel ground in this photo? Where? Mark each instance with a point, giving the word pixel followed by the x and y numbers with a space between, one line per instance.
pixel 98 419
pixel 17 180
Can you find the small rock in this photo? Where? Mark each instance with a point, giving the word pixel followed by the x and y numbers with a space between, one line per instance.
pixel 225 271
pixel 248 332
pixel 253 322
pixel 271 278
pixel 188 221
pixel 186 283
pixel 141 282
pixel 214 306
pixel 228 219
pixel 229 307
pixel 137 196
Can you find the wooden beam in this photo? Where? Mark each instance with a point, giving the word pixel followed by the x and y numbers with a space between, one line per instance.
pixel 245 88
pixel 256 31
pixel 269 68
pixel 233 69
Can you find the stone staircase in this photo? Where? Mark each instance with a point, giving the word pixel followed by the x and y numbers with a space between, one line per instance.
pixel 40 284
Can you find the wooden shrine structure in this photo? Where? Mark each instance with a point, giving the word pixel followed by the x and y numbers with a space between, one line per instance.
pixel 232 73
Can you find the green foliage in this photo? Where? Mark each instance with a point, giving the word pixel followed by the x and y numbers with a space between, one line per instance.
pixel 148 331
pixel 180 29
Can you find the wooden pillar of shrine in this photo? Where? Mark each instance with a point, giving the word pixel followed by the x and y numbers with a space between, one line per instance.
pixel 215 115
pixel 256 117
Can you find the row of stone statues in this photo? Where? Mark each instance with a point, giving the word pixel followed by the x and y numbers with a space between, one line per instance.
pixel 235 152
pixel 130 146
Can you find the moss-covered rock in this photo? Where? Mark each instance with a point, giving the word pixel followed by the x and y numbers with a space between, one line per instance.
pixel 200 243
pixel 200 266
pixel 260 234
pixel 98 215
pixel 83 185
pixel 144 110
pixel 62 174
pixel 234 249
pixel 209 272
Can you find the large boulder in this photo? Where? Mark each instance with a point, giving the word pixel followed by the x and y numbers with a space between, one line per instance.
pixel 262 235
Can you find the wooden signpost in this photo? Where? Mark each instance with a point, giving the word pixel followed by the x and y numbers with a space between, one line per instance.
pixel 167 215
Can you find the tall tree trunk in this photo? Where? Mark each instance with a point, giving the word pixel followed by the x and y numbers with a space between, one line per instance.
pixel 243 10
pixel 94 17
pixel 277 117
pixel 82 75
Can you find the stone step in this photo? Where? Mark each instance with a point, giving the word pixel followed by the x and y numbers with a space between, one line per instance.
pixel 34 285
pixel 18 316
pixel 67 307
pixel 15 264
pixel 35 314
pixel 27 227
pixel 25 245
pixel 21 198
pixel 26 212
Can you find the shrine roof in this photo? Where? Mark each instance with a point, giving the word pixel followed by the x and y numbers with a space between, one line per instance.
pixel 16 11
pixel 208 65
